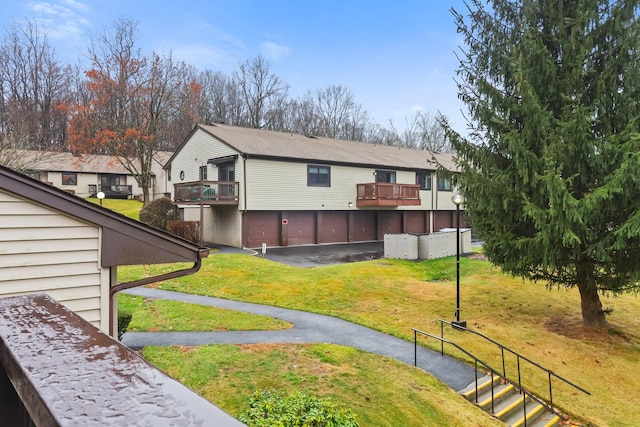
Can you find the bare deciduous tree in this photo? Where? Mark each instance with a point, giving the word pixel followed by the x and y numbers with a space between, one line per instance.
pixel 132 101
pixel 422 131
pixel 33 83
pixel 261 90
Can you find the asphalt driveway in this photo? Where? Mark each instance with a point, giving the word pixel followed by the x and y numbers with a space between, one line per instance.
pixel 316 255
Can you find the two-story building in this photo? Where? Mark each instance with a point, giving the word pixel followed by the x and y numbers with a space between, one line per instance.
pixel 86 175
pixel 251 187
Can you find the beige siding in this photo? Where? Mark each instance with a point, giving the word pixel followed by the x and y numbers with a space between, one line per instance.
pixel 443 201
pixel 195 153
pixel 42 250
pixel 273 185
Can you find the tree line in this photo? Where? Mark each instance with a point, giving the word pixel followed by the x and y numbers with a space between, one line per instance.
pixel 133 97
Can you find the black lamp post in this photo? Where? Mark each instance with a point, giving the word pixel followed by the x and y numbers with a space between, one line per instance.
pixel 458 198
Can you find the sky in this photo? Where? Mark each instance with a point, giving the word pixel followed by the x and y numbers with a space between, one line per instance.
pixel 397 56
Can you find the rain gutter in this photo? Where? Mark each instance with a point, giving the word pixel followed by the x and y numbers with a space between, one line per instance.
pixel 202 253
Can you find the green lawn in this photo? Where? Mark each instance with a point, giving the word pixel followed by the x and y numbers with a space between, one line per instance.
pixel 380 391
pixel 166 316
pixel 393 296
pixel 129 208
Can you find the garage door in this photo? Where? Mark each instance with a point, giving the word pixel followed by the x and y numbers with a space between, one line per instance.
pixel 414 222
pixel 390 223
pixel 262 227
pixel 300 228
pixel 443 219
pixel 332 227
pixel 363 226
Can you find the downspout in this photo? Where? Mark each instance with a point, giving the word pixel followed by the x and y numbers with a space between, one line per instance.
pixel 244 183
pixel 202 253
pixel 434 205
pixel 244 196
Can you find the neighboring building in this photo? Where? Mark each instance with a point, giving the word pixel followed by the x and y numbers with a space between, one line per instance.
pixel 86 175
pixel 54 242
pixel 252 187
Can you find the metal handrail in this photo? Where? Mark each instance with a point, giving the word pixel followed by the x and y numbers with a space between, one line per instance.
pixel 518 386
pixel 518 357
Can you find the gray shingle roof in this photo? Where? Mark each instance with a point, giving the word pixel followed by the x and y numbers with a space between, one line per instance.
pixel 90 163
pixel 293 146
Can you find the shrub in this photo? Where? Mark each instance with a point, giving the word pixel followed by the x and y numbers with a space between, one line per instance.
pixel 124 318
pixel 158 213
pixel 270 408
pixel 189 230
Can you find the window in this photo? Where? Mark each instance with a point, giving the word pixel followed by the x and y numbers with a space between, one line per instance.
pixel 227 172
pixel 318 176
pixel 424 180
pixel 385 176
pixel 444 184
pixel 112 180
pixel 203 173
pixel 69 179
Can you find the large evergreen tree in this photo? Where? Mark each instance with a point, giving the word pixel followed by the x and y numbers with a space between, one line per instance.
pixel 551 163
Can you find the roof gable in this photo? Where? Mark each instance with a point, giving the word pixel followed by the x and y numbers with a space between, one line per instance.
pixel 124 241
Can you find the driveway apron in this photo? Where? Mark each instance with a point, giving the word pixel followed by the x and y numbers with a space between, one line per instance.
pixel 308 328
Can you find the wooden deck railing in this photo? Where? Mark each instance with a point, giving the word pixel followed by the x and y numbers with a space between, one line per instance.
pixel 206 193
pixel 388 194
pixel 112 191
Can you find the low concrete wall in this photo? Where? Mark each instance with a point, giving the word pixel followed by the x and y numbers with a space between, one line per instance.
pixel 426 246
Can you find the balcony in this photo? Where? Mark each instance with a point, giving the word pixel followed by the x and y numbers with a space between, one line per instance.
pixel 112 191
pixel 206 193
pixel 388 194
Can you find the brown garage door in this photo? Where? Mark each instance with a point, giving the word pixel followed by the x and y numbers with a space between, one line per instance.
pixel 443 219
pixel 261 227
pixel 414 222
pixel 363 226
pixel 300 228
pixel 332 227
pixel 390 223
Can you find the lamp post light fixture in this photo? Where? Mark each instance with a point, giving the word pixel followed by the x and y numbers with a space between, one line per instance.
pixel 100 196
pixel 458 198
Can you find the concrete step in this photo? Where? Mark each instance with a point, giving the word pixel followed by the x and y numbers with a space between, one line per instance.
pixel 508 403
pixel 516 417
pixel 546 420
pixel 484 383
pixel 500 392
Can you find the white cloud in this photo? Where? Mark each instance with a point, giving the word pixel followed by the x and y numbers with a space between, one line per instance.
pixel 206 56
pixel 274 51
pixel 77 5
pixel 62 20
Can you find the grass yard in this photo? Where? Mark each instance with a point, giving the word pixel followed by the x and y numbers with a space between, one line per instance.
pixel 394 295
pixel 166 316
pixel 381 391
pixel 129 208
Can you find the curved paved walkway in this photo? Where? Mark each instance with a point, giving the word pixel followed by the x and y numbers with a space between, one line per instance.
pixel 308 328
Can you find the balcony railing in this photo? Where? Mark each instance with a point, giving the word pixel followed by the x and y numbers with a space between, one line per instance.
pixel 388 194
pixel 112 191
pixel 206 193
